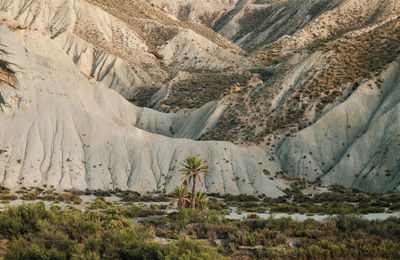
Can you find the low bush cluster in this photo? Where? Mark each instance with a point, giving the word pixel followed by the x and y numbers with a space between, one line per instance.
pixel 36 233
pixel 5 194
pixel 106 230
pixel 339 237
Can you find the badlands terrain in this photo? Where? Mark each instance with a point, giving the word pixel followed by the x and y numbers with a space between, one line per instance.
pixel 101 94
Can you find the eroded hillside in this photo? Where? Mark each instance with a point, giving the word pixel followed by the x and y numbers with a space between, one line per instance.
pixel 300 88
pixel 297 95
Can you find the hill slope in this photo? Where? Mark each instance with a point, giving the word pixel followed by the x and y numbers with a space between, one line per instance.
pixel 60 130
pixel 312 94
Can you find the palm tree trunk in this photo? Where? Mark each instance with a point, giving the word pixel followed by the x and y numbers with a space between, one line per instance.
pixel 194 193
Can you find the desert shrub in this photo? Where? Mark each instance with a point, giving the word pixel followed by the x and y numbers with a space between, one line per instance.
pixel 99 203
pixel 188 216
pixel 210 231
pixel 201 88
pixel 265 72
pixel 8 197
pixel 67 197
pixel 256 208
pixel 22 220
pixel 394 206
pixel 214 204
pixel 30 196
pixel 240 198
pixel 350 223
pixel 189 249
pixel 143 95
pixel 392 198
pixel 245 238
pixel 70 197
pixel 134 211
pixel 136 197
pixel 379 203
pixel 3 189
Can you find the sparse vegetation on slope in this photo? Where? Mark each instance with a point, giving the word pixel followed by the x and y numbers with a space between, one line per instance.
pixel 301 23
pixel 353 59
pixel 349 61
pixel 200 89
pixel 143 95
pixel 137 13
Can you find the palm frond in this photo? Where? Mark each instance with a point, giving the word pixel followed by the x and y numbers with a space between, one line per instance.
pixel 200 178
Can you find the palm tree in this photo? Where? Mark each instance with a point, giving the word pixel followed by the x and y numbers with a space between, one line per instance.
pixel 202 201
pixel 180 196
pixel 193 167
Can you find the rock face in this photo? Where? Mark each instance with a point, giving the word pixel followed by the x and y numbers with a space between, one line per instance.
pixel 61 130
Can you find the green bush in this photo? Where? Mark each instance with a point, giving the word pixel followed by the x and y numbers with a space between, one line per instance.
pixel 189 249
pixel 188 215
pixel 22 220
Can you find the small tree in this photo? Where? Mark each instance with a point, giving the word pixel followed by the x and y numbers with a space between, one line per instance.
pixel 202 201
pixel 193 167
pixel 180 196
